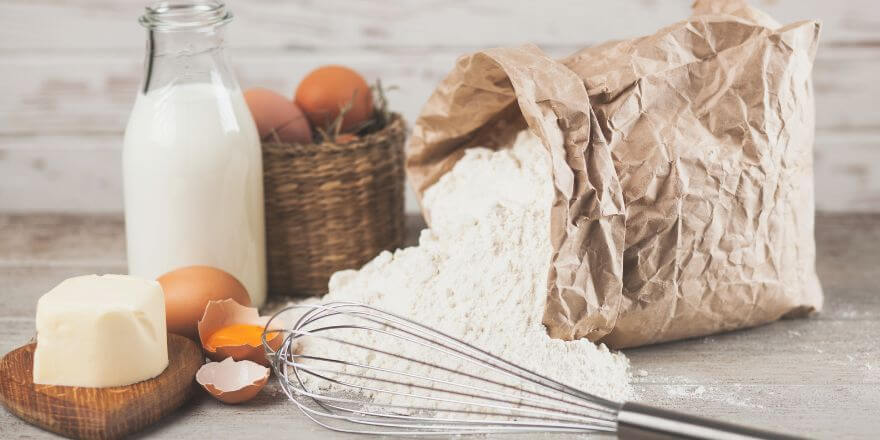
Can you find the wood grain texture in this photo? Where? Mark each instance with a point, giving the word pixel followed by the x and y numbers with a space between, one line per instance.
pixel 69 70
pixel 98 413
pixel 330 24
pixel 45 97
pixel 817 377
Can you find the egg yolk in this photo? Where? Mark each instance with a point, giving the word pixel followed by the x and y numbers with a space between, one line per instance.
pixel 237 334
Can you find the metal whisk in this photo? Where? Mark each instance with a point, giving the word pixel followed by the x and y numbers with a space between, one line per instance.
pixel 328 366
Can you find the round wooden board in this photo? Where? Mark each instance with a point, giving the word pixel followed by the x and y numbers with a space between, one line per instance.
pixel 99 413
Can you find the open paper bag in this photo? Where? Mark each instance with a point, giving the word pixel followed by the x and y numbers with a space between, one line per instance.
pixel 682 166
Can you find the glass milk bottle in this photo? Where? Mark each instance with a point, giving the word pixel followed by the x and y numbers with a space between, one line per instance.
pixel 192 165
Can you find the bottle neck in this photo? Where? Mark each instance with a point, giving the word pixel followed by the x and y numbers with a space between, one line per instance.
pixel 185 45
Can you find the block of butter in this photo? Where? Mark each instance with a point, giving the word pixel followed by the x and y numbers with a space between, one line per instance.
pixel 101 331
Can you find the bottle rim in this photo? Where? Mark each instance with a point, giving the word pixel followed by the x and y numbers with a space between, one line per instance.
pixel 182 15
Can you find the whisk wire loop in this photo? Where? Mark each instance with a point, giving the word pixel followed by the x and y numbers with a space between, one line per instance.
pixel 509 399
pixel 526 395
pixel 468 400
pixel 451 346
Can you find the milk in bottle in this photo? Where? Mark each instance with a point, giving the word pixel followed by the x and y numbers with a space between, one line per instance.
pixel 191 159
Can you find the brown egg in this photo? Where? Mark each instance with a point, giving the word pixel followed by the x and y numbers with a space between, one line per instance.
pixel 326 90
pixel 239 329
pixel 188 291
pixel 232 382
pixel 275 113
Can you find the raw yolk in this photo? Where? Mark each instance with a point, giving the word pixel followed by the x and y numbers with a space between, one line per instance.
pixel 237 334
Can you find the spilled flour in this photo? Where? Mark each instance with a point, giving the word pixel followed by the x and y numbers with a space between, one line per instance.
pixel 480 274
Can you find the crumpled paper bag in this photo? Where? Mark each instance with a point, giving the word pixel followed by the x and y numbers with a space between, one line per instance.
pixel 682 168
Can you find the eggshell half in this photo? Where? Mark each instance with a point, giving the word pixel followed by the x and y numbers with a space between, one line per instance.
pixel 219 314
pixel 232 382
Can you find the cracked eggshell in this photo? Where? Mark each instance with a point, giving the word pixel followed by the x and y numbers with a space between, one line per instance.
pixel 219 314
pixel 232 382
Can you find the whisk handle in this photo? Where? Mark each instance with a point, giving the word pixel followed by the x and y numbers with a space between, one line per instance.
pixel 641 422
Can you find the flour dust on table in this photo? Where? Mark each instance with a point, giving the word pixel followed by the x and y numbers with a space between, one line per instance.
pixel 479 274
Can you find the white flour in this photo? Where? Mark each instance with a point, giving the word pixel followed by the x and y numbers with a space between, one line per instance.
pixel 480 274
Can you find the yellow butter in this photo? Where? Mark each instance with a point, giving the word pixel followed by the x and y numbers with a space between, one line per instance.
pixel 101 331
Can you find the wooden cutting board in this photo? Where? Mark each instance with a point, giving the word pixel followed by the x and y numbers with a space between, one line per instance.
pixel 98 413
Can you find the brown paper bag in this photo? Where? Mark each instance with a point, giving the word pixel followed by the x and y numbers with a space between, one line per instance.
pixel 682 167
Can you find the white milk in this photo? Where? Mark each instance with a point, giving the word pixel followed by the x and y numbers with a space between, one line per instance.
pixel 194 185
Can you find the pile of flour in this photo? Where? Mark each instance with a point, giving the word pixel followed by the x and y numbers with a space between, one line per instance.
pixel 479 274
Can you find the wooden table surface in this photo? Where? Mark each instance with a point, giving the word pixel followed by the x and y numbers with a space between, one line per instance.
pixel 816 377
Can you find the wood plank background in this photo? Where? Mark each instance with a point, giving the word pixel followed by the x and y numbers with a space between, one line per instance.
pixel 69 71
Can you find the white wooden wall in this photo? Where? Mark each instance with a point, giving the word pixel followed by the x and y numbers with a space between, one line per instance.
pixel 69 71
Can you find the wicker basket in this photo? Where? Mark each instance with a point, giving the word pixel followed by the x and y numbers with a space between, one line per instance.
pixel 331 207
